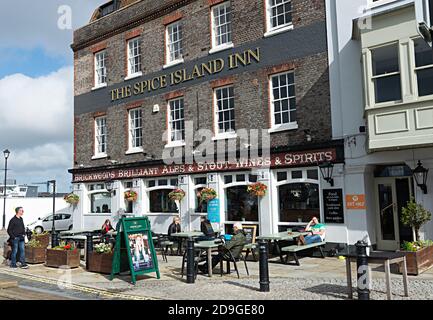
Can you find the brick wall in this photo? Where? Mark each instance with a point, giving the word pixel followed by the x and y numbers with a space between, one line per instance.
pixel 251 89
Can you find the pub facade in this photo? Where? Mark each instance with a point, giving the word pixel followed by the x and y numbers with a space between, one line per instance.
pixel 154 79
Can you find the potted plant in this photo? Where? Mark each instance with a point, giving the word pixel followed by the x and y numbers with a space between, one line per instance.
pixel 258 189
pixel 72 199
pixel 101 259
pixel 43 238
pixel 206 194
pixel 419 254
pixel 177 195
pixel 35 251
pixel 131 196
pixel 63 255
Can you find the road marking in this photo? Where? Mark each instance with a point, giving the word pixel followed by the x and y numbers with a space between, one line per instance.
pixel 66 285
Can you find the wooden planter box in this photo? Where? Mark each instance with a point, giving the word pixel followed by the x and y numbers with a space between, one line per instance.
pixel 58 258
pixel 35 255
pixel 7 250
pixel 43 239
pixel 419 261
pixel 100 262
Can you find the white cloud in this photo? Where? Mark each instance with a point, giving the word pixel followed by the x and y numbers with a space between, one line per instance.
pixel 36 124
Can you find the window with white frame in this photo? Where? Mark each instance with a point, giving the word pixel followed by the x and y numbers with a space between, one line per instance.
pixel 174 40
pixel 200 182
pixel 100 68
pixel 158 191
pixel 176 120
pixel 100 136
pixel 279 13
pixel 386 73
pixel 298 196
pixel 134 56
pixel 221 25
pixel 423 67
pixel 100 199
pixel 283 100
pixel 224 111
pixel 135 129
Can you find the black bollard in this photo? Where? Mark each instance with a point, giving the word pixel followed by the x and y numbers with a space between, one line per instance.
pixel 263 266
pixel 190 272
pixel 362 271
pixel 54 239
pixel 89 248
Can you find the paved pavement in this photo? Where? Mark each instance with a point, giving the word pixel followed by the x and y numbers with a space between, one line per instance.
pixel 315 279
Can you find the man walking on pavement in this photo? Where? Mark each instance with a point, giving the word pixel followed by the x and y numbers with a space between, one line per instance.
pixel 17 232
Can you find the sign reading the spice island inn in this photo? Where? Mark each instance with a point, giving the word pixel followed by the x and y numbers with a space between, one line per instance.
pixel 289 159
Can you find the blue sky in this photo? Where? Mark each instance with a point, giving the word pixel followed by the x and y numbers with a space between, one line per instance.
pixel 36 87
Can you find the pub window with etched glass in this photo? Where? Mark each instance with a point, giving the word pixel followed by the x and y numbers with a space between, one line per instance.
pixel 134 57
pixel 100 69
pixel 386 73
pixel 100 199
pixel 283 101
pixel 129 205
pixel 158 191
pixel 174 40
pixel 176 119
pixel 100 136
pixel 199 184
pixel 136 130
pixel 298 196
pixel 279 15
pixel 224 111
pixel 423 67
pixel 221 25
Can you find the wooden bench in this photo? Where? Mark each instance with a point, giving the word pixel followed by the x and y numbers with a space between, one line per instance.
pixel 295 248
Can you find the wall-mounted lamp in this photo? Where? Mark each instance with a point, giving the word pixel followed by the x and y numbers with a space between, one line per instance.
pixel 420 175
pixel 109 186
pixel 327 169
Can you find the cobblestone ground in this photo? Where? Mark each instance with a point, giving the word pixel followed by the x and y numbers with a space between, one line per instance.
pixel 315 279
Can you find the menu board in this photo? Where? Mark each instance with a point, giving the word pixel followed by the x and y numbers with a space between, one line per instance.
pixel 333 205
pixel 135 233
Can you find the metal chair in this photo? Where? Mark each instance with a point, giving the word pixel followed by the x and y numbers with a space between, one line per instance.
pixel 226 252
pixel 199 257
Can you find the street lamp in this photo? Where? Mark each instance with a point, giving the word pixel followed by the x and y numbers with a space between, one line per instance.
pixel 327 169
pixel 420 174
pixel 6 154
pixel 54 238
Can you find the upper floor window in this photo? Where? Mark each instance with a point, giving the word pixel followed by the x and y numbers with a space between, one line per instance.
pixel 424 67
pixel 224 111
pixel 386 73
pixel 279 15
pixel 176 119
pixel 135 129
pixel 174 41
pixel 283 101
pixel 100 68
pixel 134 57
pixel 221 25
pixel 100 136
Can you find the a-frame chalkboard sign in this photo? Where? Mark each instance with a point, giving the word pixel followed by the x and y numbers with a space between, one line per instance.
pixel 134 235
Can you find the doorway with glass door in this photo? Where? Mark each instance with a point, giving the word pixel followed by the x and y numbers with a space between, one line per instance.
pixel 392 195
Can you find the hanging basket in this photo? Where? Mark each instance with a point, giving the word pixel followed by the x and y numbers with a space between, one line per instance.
pixel 207 194
pixel 131 196
pixel 72 199
pixel 257 189
pixel 177 195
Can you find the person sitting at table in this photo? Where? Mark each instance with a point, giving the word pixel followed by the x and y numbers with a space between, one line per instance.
pixel 106 230
pixel 207 229
pixel 235 245
pixel 317 233
pixel 174 227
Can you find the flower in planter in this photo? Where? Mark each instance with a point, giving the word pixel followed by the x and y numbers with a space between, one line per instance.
pixel 206 194
pixel 72 198
pixel 414 215
pixel 414 246
pixel 176 195
pixel 103 248
pixel 131 196
pixel 34 244
pixel 258 189
pixel 65 246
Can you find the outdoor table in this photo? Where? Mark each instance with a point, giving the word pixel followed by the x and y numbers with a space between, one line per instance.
pixel 186 235
pixel 208 245
pixel 77 232
pixel 385 259
pixel 282 236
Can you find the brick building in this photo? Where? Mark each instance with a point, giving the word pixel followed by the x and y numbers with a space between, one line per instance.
pixel 148 73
